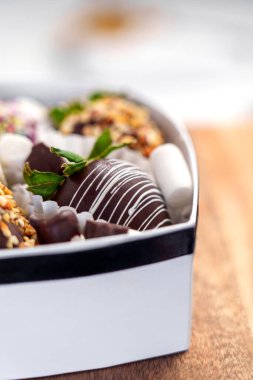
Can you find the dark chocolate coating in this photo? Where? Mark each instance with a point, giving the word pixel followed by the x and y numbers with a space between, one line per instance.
pixel 43 160
pixel 117 192
pixel 14 231
pixel 95 229
pixel 61 228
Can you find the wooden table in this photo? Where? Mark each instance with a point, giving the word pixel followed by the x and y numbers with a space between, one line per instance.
pixel 222 331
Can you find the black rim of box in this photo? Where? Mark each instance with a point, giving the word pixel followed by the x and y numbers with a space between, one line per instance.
pixel 97 261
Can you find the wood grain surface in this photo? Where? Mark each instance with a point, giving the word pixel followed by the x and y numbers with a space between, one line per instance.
pixel 222 330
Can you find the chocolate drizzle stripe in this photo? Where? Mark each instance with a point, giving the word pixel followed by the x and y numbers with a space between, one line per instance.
pixel 116 178
pixel 110 183
pixel 114 193
pixel 151 217
pixel 81 185
pixel 90 185
pixel 132 216
pixel 97 261
pixel 161 224
pixel 131 199
pixel 143 195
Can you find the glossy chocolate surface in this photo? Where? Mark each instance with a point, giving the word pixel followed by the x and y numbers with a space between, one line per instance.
pixel 95 229
pixel 117 192
pixel 43 160
pixel 61 228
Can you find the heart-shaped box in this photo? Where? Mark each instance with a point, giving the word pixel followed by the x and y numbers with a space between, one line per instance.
pixel 79 306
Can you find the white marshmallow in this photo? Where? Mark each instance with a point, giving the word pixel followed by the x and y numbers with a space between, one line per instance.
pixel 14 150
pixel 173 177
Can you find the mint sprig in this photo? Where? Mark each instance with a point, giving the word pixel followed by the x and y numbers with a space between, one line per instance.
pixel 59 113
pixel 111 149
pixel 102 143
pixel 47 184
pixel 104 146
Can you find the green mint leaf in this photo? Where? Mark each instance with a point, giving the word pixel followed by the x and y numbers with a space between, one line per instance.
pixel 111 148
pixel 59 113
pixel 42 183
pixel 70 156
pixel 70 169
pixel 102 143
pixel 57 116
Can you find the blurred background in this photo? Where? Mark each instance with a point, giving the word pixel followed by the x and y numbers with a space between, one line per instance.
pixel 194 57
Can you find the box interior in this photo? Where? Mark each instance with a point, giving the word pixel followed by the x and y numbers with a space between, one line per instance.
pixel 172 128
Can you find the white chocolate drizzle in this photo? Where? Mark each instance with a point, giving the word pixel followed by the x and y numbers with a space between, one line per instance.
pixel 117 184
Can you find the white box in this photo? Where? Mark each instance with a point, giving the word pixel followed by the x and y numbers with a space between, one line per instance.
pixel 112 300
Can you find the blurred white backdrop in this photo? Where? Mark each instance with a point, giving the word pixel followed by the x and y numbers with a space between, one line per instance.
pixel 194 57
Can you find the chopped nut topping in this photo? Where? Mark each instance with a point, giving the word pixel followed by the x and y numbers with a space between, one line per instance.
pixel 12 219
pixel 4 229
pixel 21 223
pixel 3 201
pixel 127 121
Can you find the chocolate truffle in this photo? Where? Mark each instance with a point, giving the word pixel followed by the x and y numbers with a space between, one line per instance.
pixel 116 192
pixel 43 160
pixel 95 229
pixel 15 230
pixel 60 228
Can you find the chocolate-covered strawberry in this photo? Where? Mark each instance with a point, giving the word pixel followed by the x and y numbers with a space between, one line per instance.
pixel 117 192
pixel 112 190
